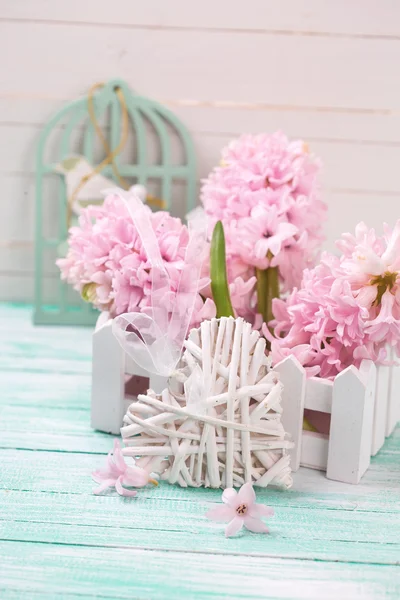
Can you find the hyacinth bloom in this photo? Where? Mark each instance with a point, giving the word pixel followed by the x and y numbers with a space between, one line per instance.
pixel 118 474
pixel 107 264
pixel 240 509
pixel 347 308
pixel 266 194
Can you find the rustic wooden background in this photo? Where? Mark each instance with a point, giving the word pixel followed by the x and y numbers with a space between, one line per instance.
pixel 328 540
pixel 326 71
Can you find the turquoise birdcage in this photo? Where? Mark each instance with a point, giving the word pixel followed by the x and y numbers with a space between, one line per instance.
pixel 158 154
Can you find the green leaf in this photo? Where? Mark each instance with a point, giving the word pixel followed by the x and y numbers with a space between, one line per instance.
pixel 219 278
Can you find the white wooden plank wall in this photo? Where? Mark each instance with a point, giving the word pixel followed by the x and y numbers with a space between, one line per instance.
pixel 326 71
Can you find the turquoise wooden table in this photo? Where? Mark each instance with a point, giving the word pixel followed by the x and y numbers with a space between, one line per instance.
pixel 57 540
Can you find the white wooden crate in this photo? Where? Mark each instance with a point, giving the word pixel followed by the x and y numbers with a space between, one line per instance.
pixel 363 404
pixel 111 370
pixel 364 408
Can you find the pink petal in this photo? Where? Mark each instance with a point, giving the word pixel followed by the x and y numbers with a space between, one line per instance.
pixel 246 494
pixel 234 526
pixel 112 467
pixel 98 476
pixel 118 457
pixel 220 513
pixel 136 477
pixel 106 484
pixel 123 491
pixel 128 493
pixel 255 525
pixel 229 496
pixel 260 510
pixel 367 295
pixel 275 243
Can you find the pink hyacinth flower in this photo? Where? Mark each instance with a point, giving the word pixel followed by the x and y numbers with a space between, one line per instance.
pixel 384 326
pixel 107 262
pixel 118 474
pixel 267 195
pixel 240 508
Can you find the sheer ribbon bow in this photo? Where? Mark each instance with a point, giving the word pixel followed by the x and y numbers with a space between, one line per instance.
pixel 155 341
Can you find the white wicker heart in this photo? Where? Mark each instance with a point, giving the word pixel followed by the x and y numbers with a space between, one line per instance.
pixel 234 435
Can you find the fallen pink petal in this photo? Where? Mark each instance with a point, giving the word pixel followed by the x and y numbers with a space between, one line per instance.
pixel 119 475
pixel 240 509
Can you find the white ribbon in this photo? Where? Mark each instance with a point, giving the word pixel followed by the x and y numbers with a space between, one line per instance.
pixel 156 342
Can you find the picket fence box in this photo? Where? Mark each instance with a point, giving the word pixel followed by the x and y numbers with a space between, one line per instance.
pixel 362 405
pixel 116 379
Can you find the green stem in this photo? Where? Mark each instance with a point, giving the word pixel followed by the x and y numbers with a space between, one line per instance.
pixel 267 290
pixel 262 287
pixel 219 278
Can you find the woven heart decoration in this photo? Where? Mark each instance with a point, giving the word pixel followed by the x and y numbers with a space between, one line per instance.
pixel 218 424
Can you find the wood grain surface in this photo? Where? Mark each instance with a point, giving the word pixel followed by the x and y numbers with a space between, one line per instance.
pixel 57 540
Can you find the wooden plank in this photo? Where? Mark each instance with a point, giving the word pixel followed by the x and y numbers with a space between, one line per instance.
pixel 42 364
pixel 28 349
pixel 364 79
pixel 57 442
pixel 108 381
pixel 314 450
pixel 363 18
pixel 179 524
pixel 49 421
pixel 293 377
pixel 49 346
pixel 347 208
pixel 110 364
pixel 378 491
pixel 393 407
pixel 122 572
pixel 51 338
pixel 210 538
pixel 45 390
pixel 219 116
pixel 20 212
pixel 350 436
pixel 57 429
pixel 318 394
pixel 380 409
pixel 327 540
